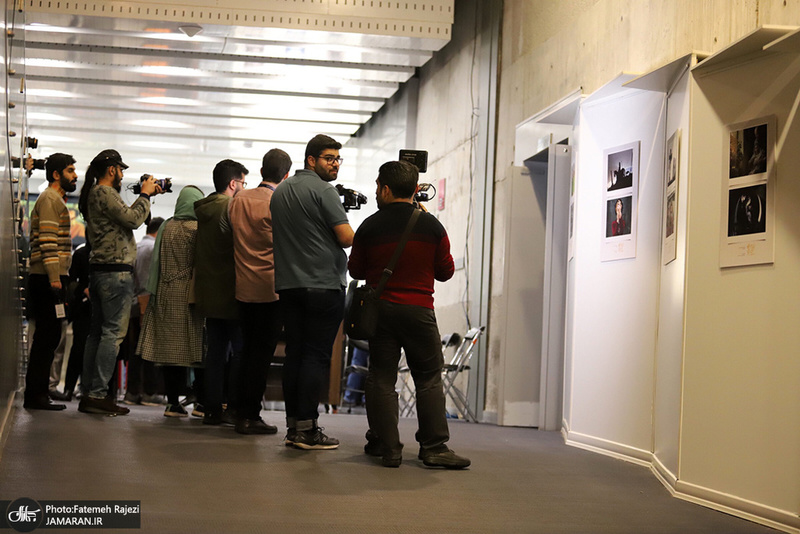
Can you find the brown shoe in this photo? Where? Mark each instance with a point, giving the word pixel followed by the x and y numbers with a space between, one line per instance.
pixel 105 406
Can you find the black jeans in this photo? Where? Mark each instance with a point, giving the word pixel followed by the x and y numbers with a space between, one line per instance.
pixel 311 319
pixel 261 329
pixel 223 334
pixel 42 300
pixel 81 322
pixel 143 375
pixel 414 329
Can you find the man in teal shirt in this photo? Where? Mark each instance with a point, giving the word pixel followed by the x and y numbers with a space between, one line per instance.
pixel 310 231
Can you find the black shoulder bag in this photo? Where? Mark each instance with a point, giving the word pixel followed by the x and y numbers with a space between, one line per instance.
pixel 361 304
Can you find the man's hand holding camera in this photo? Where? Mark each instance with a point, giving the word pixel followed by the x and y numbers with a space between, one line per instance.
pixel 150 186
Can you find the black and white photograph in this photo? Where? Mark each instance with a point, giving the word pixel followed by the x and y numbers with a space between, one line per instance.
pixel 747 210
pixel 748 151
pixel 618 216
pixel 670 224
pixel 672 159
pixel 620 170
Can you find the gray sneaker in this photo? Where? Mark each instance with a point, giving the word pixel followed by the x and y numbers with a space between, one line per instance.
pixel 446 458
pixel 314 440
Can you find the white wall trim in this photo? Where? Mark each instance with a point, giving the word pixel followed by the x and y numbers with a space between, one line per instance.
pixel 730 504
pixel 616 450
pixel 736 506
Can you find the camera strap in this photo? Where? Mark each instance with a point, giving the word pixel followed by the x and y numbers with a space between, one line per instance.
pixel 387 272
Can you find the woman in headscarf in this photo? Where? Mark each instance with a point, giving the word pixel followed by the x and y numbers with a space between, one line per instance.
pixel 172 330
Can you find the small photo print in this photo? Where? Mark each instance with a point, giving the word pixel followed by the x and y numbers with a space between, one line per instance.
pixel 747 210
pixel 620 170
pixel 670 215
pixel 672 159
pixel 618 216
pixel 748 151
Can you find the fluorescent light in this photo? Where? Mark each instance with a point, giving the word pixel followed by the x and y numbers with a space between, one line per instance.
pixel 169 101
pixel 157 145
pixel 156 123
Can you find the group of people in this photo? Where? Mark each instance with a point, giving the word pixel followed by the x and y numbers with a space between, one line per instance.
pixel 245 266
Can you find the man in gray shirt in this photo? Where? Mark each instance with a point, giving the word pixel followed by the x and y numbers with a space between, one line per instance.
pixel 310 231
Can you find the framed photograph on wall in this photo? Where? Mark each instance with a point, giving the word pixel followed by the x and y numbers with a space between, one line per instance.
pixel 572 213
pixel 747 228
pixel 620 197
pixel 671 170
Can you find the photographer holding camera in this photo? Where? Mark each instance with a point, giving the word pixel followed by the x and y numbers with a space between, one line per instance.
pixel 109 229
pixel 405 318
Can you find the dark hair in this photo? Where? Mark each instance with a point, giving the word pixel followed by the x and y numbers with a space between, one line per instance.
pixel 400 176
pixel 154 224
pixel 57 163
pixel 319 143
pixel 97 169
pixel 275 165
pixel 225 172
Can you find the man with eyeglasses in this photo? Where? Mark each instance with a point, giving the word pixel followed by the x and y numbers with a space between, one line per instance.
pixel 215 277
pixel 310 231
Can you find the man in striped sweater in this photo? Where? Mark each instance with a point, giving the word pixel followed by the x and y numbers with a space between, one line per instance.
pixel 51 255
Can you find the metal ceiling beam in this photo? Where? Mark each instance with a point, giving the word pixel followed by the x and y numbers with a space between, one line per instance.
pixel 212 56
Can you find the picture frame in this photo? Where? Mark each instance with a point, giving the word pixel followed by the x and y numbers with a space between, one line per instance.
pixel 747 222
pixel 669 246
pixel 620 201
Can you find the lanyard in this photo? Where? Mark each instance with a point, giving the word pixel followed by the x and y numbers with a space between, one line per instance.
pixel 268 186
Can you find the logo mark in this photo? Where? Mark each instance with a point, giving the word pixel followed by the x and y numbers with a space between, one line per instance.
pixel 24 515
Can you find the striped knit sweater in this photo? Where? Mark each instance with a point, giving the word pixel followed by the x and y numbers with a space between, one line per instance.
pixel 51 244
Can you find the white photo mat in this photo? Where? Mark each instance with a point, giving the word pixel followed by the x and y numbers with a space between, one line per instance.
pixel 620 202
pixel 671 179
pixel 747 229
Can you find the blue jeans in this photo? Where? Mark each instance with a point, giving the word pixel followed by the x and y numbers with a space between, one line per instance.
pixel 311 321
pixel 111 294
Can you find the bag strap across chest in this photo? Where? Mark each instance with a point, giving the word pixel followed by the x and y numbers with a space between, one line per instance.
pixel 387 272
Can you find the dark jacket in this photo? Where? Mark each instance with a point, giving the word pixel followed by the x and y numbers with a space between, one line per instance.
pixel 215 270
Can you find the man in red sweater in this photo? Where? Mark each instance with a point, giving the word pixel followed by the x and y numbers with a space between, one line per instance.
pixel 405 318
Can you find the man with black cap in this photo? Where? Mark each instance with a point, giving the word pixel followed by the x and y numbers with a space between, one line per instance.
pixel 109 228
pixel 51 253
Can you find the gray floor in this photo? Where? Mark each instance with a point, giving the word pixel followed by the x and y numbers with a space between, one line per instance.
pixel 194 478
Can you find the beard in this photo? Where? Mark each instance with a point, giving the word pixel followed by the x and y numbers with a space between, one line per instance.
pixel 322 172
pixel 117 184
pixel 67 185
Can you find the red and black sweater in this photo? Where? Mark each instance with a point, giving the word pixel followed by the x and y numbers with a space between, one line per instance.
pixel 426 256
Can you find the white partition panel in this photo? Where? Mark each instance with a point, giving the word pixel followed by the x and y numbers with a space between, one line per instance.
pixel 740 431
pixel 614 304
pixel 669 349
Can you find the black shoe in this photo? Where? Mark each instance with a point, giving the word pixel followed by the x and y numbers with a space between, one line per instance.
pixel 198 410
pixel 291 435
pixel 105 406
pixel 54 394
pixel 152 400
pixel 446 458
pixel 43 404
pixel 175 410
pixel 255 426
pixel 230 417
pixel 373 448
pixel 391 461
pixel 314 440
pixel 212 418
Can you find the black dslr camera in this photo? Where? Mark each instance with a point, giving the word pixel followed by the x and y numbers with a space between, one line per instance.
pixel 30 142
pixel 164 183
pixel 351 199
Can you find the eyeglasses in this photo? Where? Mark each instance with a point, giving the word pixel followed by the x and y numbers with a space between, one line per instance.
pixel 244 184
pixel 331 159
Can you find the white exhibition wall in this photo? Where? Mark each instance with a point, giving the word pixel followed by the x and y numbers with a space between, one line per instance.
pixel 669 348
pixel 689 367
pixel 614 304
pixel 740 427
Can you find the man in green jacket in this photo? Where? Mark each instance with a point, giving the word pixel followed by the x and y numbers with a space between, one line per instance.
pixel 215 279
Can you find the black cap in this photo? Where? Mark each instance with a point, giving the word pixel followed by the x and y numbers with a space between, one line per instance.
pixel 109 155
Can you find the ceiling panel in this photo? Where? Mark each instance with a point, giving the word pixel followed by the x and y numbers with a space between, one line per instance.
pixel 265 74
